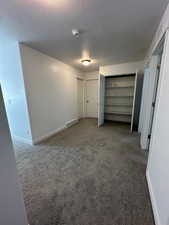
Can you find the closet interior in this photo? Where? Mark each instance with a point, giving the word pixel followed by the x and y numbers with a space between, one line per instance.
pixel 119 98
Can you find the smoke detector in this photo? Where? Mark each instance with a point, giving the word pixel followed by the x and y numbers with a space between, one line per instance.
pixel 76 32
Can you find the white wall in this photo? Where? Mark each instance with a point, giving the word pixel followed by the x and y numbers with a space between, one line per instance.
pixel 92 75
pixel 124 68
pixel 163 26
pixel 12 210
pixel 51 88
pixel 11 79
pixel 158 162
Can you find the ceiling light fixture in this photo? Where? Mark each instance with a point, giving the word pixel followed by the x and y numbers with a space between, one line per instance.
pixel 86 62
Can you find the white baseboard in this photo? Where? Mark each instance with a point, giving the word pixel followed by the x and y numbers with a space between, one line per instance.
pixel 71 122
pixel 23 140
pixel 153 200
pixel 43 138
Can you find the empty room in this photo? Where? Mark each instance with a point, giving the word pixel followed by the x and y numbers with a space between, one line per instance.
pixel 84 112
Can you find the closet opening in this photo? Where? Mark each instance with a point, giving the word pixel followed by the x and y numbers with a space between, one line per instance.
pixel 119 99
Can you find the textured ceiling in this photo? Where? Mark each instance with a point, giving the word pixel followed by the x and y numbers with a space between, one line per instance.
pixel 112 31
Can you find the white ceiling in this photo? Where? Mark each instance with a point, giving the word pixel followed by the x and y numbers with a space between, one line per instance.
pixel 112 31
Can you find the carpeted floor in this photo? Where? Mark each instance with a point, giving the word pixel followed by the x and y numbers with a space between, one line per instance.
pixel 86 176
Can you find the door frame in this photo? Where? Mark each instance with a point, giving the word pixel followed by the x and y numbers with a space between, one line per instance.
pixel 83 80
pixel 134 101
pixel 101 97
pixel 85 96
pixel 154 76
pixel 148 102
pixel 159 53
pixel 143 99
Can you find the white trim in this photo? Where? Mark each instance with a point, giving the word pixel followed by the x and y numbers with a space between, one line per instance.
pixel 119 74
pixel 84 100
pixel 134 101
pixel 153 200
pixel 23 140
pixel 85 97
pixel 91 79
pixel 52 133
pixel 161 80
pixel 71 123
pixel 142 146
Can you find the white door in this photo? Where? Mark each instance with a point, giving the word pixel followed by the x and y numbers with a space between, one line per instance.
pixel 80 97
pixel 149 100
pixel 101 100
pixel 92 98
pixel 158 161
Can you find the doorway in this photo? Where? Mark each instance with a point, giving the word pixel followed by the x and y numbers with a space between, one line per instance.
pixel 92 98
pixel 80 97
pixel 159 57
pixel 151 78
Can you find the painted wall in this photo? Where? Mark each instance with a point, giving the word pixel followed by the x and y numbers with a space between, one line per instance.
pixel 11 79
pixel 158 167
pixel 124 68
pixel 51 88
pixel 92 75
pixel 163 26
pixel 12 210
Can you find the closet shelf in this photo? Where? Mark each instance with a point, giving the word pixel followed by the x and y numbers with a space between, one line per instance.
pixel 119 113
pixel 120 87
pixel 119 96
pixel 118 104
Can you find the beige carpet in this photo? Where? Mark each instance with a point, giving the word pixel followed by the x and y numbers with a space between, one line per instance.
pixel 86 176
